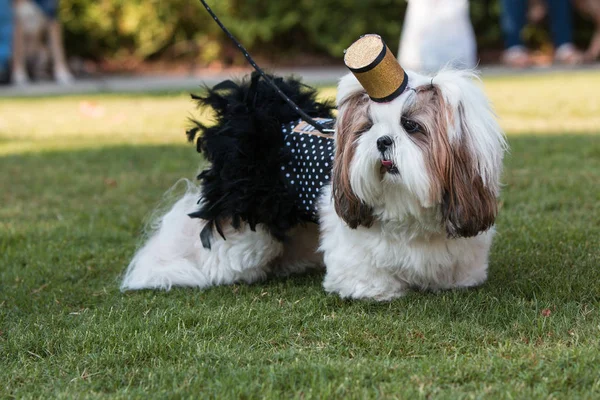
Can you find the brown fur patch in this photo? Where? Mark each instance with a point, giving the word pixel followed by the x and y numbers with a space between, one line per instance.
pixel 351 123
pixel 468 207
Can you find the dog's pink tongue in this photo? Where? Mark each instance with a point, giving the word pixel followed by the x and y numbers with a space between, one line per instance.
pixel 387 163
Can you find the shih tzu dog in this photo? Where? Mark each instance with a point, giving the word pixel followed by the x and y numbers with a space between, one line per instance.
pixel 404 195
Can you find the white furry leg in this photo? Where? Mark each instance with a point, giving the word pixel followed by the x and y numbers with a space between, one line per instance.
pixel 354 258
pixel 475 276
pixel 174 256
pixel 472 271
pixel 355 280
pixel 471 268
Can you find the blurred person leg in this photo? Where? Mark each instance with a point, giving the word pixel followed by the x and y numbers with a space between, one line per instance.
pixel 538 9
pixel 18 74
pixel 513 19
pixel 6 28
pixel 591 9
pixel 561 28
pixel 60 69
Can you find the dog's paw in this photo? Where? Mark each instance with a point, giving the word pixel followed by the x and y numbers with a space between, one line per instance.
pixel 379 288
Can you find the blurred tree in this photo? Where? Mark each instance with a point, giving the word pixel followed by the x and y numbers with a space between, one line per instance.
pixel 117 29
pixel 141 30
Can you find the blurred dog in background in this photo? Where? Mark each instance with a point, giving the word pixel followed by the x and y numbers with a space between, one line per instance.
pixel 38 51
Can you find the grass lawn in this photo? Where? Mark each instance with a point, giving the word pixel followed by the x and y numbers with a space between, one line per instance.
pixel 80 175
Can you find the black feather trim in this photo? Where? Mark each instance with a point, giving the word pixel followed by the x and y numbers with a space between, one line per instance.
pixel 246 150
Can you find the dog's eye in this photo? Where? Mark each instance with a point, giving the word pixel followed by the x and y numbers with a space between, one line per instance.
pixel 410 126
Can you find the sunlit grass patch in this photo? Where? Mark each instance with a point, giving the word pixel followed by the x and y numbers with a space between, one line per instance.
pixel 548 104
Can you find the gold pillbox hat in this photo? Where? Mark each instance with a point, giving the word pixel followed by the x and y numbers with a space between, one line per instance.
pixel 376 68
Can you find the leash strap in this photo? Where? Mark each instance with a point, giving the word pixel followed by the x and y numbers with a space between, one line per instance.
pixel 289 101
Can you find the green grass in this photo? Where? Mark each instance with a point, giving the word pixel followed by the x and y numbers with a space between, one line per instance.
pixel 80 175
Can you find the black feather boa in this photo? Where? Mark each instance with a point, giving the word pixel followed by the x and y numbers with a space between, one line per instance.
pixel 245 147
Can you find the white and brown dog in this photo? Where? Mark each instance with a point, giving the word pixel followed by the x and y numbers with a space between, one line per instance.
pixel 37 40
pixel 410 201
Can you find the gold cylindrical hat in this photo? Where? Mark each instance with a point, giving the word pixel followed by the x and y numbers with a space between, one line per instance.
pixel 376 68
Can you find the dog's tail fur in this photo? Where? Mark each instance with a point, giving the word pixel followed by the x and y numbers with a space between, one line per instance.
pixel 245 147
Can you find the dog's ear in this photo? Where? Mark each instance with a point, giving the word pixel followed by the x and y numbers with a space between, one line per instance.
pixel 469 200
pixel 352 121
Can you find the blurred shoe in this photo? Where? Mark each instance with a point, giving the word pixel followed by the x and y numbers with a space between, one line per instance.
pixel 516 57
pixel 63 77
pixel 19 77
pixel 567 54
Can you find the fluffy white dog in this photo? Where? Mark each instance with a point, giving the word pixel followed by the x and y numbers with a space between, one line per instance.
pixel 408 202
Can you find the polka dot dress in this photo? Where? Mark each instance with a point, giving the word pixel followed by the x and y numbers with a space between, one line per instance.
pixel 310 167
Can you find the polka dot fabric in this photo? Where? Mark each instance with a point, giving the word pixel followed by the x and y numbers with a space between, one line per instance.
pixel 309 169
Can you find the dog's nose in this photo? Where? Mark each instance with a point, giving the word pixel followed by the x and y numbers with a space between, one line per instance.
pixel 383 143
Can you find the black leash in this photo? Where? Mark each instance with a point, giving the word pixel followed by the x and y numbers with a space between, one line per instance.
pixel 300 112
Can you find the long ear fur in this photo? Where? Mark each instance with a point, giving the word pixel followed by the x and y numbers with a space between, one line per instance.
pixel 351 121
pixel 469 205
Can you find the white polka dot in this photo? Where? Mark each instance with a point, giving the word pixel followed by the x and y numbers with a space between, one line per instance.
pixel 287 175
pixel 326 176
pixel 287 143
pixel 327 164
pixel 282 168
pixel 292 182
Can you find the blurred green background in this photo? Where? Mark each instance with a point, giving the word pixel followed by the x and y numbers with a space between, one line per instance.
pixel 293 30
